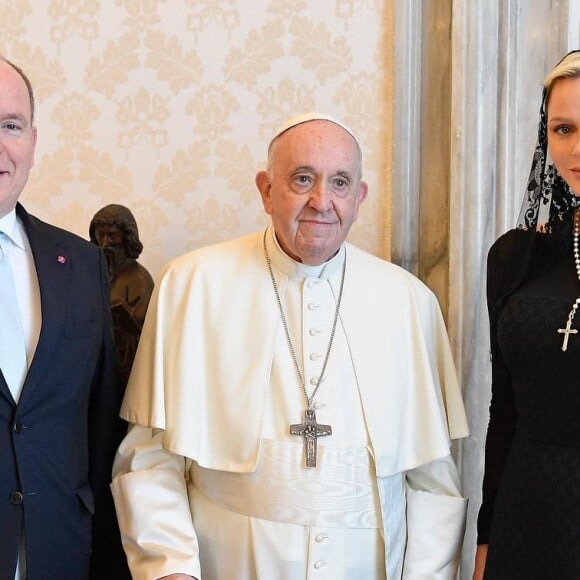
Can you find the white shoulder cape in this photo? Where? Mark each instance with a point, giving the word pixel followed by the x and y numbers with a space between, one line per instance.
pixel 202 369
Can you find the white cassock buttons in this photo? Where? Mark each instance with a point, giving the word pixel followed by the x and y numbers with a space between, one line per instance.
pixel 319 538
pixel 313 331
pixel 314 357
pixel 319 564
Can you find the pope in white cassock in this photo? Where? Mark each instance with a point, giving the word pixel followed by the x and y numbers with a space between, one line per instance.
pixel 293 398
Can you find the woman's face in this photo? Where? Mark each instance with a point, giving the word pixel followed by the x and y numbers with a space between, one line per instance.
pixel 564 130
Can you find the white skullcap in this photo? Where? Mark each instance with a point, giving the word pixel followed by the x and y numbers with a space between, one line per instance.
pixel 307 117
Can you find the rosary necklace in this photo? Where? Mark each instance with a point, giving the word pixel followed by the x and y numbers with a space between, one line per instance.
pixel 569 330
pixel 309 430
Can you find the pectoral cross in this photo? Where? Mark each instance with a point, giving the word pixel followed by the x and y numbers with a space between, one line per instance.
pixel 310 430
pixel 567 332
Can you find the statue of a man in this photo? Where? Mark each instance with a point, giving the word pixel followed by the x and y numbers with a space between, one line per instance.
pixel 114 229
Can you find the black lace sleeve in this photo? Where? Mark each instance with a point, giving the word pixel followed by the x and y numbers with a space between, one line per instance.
pixel 506 266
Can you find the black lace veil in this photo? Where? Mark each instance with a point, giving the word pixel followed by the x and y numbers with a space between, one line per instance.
pixel 548 202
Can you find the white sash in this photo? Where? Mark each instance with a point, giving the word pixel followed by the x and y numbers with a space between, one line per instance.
pixel 340 492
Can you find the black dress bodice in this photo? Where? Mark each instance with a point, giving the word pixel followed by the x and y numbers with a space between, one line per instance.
pixel 545 380
pixel 531 509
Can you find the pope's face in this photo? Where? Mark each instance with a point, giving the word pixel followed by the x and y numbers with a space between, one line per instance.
pixel 312 190
pixel 564 130
pixel 17 137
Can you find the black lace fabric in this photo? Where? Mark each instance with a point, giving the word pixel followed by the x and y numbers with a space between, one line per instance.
pixel 548 202
pixel 530 514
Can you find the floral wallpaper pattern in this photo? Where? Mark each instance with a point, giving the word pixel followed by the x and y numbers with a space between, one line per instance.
pixel 167 106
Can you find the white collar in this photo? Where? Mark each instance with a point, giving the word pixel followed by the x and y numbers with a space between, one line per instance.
pixel 297 270
pixel 11 228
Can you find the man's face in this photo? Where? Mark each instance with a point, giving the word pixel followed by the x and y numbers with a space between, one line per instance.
pixel 564 130
pixel 17 137
pixel 312 190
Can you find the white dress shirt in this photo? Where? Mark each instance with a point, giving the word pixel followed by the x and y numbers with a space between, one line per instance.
pixel 26 285
pixel 19 255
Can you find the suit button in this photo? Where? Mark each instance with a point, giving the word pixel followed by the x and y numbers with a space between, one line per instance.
pixel 16 498
pixel 18 427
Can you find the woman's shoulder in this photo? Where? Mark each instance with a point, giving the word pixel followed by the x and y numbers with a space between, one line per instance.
pixel 512 245
pixel 508 260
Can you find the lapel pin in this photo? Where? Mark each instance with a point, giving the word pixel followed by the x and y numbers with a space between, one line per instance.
pixel 61 259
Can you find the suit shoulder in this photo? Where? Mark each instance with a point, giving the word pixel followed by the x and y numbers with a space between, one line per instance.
pixel 60 235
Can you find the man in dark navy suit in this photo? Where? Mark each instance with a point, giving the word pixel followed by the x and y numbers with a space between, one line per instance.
pixel 60 385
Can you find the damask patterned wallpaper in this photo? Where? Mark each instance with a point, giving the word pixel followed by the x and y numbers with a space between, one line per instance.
pixel 167 106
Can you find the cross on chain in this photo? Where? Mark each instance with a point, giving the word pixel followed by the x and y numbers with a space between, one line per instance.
pixel 310 431
pixel 567 332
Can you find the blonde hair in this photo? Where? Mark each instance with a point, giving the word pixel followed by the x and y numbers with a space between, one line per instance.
pixel 567 68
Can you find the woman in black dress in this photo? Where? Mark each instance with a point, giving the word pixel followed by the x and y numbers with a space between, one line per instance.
pixel 529 521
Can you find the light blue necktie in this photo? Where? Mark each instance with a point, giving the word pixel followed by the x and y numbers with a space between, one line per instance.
pixel 12 348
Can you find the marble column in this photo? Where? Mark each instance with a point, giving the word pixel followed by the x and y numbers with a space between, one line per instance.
pixel 407 67
pixel 420 208
pixel 501 53
pixel 470 71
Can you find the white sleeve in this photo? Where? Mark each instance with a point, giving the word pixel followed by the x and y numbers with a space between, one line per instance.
pixel 435 521
pixel 150 492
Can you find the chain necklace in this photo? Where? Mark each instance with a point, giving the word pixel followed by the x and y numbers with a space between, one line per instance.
pixel 569 330
pixel 309 430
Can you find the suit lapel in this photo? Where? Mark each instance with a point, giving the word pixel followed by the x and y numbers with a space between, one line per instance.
pixel 52 268
pixel 5 391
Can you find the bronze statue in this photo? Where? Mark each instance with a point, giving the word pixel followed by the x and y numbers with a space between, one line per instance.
pixel 114 229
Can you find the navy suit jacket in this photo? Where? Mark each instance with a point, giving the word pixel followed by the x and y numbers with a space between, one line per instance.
pixel 57 445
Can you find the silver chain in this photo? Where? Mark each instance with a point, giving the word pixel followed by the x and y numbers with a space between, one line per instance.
pixel 287 332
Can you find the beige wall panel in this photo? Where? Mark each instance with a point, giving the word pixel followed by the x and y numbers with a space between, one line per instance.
pixel 166 106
